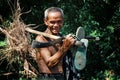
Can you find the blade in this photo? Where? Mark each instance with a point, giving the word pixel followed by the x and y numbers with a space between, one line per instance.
pixel 37 44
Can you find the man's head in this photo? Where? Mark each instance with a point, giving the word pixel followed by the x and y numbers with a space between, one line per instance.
pixel 53 18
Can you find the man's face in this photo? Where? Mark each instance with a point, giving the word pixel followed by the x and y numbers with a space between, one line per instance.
pixel 54 22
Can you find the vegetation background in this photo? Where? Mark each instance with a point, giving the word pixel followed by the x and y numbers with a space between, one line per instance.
pixel 98 18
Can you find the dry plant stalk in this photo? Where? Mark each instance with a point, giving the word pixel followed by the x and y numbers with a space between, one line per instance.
pixel 18 41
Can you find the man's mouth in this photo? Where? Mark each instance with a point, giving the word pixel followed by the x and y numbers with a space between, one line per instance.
pixel 55 30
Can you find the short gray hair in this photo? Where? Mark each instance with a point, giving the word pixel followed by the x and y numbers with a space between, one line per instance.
pixel 53 9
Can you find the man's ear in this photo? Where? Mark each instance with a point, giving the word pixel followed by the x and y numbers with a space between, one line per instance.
pixel 45 21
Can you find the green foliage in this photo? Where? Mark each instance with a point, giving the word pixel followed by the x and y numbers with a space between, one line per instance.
pixel 98 17
pixel 2 43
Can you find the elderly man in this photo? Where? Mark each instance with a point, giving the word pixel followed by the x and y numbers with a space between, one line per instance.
pixel 50 59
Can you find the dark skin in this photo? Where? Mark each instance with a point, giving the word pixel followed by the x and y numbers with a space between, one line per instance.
pixel 49 59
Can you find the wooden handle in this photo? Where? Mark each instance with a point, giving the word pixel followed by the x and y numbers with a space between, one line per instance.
pixel 42 33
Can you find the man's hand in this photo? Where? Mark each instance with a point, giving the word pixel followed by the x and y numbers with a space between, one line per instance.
pixel 68 42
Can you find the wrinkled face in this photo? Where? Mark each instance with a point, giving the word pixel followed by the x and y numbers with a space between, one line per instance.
pixel 54 22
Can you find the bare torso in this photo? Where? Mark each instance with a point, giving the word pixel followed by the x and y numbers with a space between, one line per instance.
pixel 43 68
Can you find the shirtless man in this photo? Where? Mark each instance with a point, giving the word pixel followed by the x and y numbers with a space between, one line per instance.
pixel 50 59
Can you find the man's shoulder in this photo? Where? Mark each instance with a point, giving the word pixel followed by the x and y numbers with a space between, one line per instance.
pixel 39 37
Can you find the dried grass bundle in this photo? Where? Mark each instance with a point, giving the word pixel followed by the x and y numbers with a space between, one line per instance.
pixel 18 42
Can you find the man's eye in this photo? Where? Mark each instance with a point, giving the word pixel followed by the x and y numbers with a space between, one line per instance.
pixel 59 22
pixel 52 22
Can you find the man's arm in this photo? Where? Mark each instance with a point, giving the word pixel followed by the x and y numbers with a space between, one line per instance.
pixel 54 59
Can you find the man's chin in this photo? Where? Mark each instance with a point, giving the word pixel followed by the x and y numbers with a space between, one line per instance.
pixel 55 33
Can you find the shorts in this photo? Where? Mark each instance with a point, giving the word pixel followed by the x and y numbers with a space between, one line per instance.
pixel 44 76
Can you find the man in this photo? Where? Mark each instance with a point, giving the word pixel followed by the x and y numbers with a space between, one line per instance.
pixel 50 59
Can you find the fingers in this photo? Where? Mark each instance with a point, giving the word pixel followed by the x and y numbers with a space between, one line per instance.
pixel 71 39
pixel 69 35
pixel 68 42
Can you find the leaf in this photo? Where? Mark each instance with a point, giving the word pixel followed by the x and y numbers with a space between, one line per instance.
pixel 2 43
pixel 110 28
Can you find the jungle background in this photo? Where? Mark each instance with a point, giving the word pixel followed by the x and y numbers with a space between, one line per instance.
pixel 98 18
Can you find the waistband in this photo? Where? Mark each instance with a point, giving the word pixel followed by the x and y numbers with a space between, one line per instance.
pixel 51 75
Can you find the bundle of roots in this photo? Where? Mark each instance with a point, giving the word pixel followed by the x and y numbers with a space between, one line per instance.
pixel 18 41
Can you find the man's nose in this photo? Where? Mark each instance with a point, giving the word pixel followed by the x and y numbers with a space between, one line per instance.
pixel 56 24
